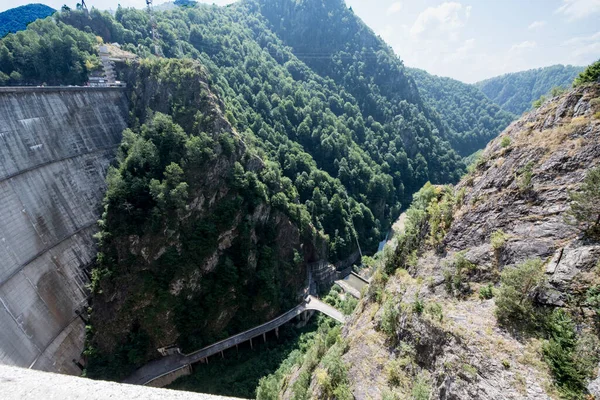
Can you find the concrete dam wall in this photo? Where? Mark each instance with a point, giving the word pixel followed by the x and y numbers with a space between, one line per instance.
pixel 55 148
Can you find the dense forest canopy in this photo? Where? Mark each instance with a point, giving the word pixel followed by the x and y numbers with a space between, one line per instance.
pixel 353 170
pixel 17 19
pixel 48 51
pixel 334 42
pixel 517 91
pixel 471 118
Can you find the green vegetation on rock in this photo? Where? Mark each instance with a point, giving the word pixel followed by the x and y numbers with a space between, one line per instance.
pixel 159 234
pixel 585 204
pixel 590 75
pixel 515 298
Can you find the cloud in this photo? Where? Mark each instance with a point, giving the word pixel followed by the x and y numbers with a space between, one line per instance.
pixel 464 53
pixel 394 7
pixel 387 33
pixel 536 25
pixel 585 49
pixel 467 46
pixel 577 9
pixel 526 45
pixel 445 19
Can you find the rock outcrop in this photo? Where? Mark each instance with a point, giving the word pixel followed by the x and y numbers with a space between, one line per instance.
pixel 411 334
pixel 231 258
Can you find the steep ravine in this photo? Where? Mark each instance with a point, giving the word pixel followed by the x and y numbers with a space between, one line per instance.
pixel 429 327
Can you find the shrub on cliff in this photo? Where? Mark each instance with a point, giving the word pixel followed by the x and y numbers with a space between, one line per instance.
pixel 561 356
pixel 589 75
pixel 585 205
pixel 514 303
pixel 457 274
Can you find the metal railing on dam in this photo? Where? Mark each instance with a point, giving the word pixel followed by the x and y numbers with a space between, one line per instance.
pixel 166 365
pixel 42 89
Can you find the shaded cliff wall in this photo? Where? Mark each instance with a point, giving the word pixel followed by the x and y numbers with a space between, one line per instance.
pixel 55 148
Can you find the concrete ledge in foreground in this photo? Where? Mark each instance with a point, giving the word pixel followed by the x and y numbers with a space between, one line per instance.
pixel 21 383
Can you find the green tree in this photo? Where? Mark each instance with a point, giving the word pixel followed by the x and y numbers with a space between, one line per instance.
pixel 584 211
pixel 519 285
pixel 516 92
pixel 589 75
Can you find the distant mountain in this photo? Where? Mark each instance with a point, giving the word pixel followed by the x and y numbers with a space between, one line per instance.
pixel 515 92
pixel 336 44
pixel 471 118
pixel 17 19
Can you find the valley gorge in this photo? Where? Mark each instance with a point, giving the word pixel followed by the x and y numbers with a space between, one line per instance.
pixel 309 215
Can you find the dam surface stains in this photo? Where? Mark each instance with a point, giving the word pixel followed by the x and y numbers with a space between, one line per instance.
pixel 55 149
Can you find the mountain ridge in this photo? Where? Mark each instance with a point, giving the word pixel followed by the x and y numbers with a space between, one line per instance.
pixel 17 19
pixel 515 92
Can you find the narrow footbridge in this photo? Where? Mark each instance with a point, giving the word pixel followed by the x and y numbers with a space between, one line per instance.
pixel 169 364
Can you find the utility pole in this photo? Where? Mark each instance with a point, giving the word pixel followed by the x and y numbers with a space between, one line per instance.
pixel 353 228
pixel 82 6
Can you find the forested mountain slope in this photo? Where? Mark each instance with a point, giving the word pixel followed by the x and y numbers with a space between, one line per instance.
pixel 335 43
pixel 303 121
pixel 243 161
pixel 517 91
pixel 47 52
pixel 471 118
pixel 290 153
pixel 198 239
pixel 16 19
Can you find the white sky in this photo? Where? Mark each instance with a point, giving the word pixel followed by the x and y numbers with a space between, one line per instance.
pixel 469 40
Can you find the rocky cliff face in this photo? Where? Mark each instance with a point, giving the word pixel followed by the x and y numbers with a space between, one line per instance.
pixel 425 330
pixel 232 256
